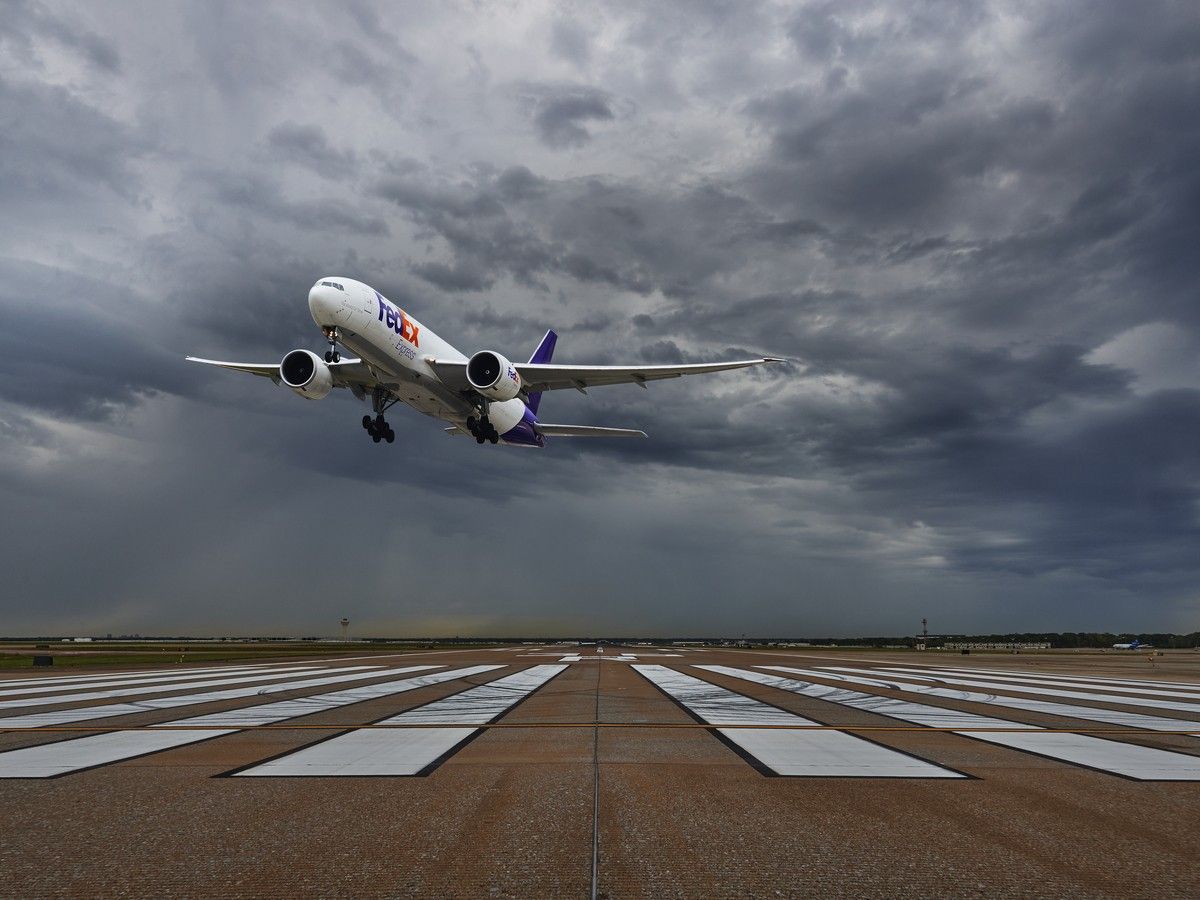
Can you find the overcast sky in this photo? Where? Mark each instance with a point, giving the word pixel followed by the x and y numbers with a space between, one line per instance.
pixel 974 227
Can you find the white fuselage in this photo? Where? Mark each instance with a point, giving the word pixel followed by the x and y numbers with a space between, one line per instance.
pixel 398 347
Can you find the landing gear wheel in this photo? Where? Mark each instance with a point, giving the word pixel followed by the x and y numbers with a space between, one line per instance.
pixel 390 437
pixel 380 422
pixel 493 437
pixel 367 422
pixel 376 436
pixel 479 439
pixel 328 356
pixel 472 424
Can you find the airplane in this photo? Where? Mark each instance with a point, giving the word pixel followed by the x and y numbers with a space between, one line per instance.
pixel 1135 644
pixel 399 360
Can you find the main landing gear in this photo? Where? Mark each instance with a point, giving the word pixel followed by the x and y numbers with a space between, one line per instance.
pixel 378 428
pixel 482 429
pixel 331 335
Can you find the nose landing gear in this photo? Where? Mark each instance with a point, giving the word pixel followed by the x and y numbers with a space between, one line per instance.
pixel 331 335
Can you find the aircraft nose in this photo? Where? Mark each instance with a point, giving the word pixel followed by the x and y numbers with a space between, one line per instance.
pixel 323 303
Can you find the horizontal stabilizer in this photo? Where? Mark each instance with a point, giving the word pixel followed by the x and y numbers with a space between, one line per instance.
pixel 586 431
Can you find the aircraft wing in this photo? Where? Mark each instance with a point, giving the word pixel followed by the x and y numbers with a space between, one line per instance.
pixel 345 373
pixel 551 377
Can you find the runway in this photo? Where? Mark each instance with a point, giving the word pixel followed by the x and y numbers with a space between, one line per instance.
pixel 608 771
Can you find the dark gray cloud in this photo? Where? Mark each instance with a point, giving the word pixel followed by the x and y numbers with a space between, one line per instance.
pixel 29 24
pixel 970 228
pixel 308 145
pixel 56 146
pixel 562 113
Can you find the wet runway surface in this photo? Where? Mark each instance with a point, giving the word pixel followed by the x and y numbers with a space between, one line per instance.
pixel 617 771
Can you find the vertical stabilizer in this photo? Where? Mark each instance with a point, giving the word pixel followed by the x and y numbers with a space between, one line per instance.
pixel 543 354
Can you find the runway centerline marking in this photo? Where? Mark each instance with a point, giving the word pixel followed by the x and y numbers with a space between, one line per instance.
pixel 51 760
pixel 812 754
pixel 410 751
pixel 1128 760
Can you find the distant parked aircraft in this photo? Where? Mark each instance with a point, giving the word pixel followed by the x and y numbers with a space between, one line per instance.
pixel 1135 644
pixel 401 360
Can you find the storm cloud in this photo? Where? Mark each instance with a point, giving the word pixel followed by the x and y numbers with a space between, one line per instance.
pixel 970 229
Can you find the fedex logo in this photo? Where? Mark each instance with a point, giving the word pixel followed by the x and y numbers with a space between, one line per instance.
pixel 397 321
pixel 513 376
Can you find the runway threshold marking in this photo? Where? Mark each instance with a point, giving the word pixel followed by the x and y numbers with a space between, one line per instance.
pixel 67 716
pixel 140 690
pixel 1179 693
pixel 167 677
pixel 52 760
pixel 1141 721
pixel 1089 679
pixel 68 680
pixel 1040 690
pixel 698 726
pixel 1115 757
pixel 812 754
pixel 410 751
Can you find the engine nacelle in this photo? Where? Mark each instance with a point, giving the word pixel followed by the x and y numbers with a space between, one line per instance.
pixel 306 374
pixel 493 375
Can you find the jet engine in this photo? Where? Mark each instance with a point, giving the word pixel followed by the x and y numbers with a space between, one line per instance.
pixel 493 375
pixel 306 374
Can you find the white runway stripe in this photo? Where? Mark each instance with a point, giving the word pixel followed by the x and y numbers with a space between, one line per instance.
pixel 1038 690
pixel 68 716
pixel 139 690
pixel 1049 707
pixel 1041 676
pixel 164 678
pixel 37 680
pixel 400 751
pixel 1037 684
pixel 50 760
pixel 1129 760
pixel 788 752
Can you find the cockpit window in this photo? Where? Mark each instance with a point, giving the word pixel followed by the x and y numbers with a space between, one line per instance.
pixel 333 284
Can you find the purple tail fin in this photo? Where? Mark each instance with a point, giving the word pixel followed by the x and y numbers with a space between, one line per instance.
pixel 543 354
